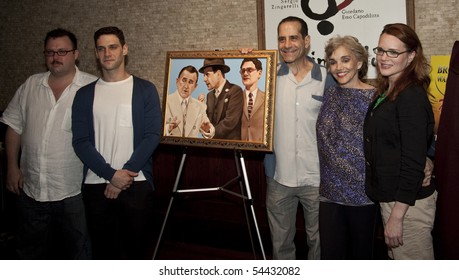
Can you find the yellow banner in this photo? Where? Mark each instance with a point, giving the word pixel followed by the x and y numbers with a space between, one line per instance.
pixel 438 75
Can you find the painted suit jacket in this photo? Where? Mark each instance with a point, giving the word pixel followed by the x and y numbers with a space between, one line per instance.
pixel 225 111
pixel 252 128
pixel 195 116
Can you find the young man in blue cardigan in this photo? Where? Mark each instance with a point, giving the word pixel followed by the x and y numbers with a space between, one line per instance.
pixel 116 124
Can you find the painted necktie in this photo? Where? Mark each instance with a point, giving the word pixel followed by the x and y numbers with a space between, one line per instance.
pixel 250 105
pixel 184 111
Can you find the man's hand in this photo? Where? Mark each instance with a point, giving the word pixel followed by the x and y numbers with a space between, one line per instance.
pixel 246 50
pixel 14 177
pixel 123 179
pixel 205 126
pixel 111 192
pixel 173 123
pixel 14 180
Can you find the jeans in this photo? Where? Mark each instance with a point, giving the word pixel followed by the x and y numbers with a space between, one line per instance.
pixel 52 230
pixel 282 205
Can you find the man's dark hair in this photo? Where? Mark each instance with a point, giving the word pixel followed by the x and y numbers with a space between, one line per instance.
pixel 216 68
pixel 110 30
pixel 60 32
pixel 304 26
pixel 190 69
pixel 254 60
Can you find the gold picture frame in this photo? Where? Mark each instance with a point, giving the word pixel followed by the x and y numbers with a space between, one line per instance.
pixel 177 60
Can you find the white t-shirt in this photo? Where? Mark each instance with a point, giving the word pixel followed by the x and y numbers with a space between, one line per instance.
pixel 114 132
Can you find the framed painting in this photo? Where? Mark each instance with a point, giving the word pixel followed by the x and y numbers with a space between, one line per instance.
pixel 363 19
pixel 221 99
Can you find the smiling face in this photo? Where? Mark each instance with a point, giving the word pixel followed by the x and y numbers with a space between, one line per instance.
pixel 292 46
pixel 344 67
pixel 186 83
pixel 392 67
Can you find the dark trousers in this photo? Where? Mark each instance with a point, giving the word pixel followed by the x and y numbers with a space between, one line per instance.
pixel 347 232
pixel 120 228
pixel 52 230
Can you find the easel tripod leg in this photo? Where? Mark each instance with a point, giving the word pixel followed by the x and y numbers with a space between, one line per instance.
pixel 244 200
pixel 174 190
pixel 249 196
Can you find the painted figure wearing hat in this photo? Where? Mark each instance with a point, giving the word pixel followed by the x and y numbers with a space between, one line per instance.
pixel 224 100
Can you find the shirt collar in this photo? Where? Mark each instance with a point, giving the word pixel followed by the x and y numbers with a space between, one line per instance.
pixel 220 88
pixel 77 80
pixel 254 92
pixel 181 98
pixel 316 74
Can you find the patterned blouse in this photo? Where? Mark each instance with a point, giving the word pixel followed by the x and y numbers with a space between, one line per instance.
pixel 340 144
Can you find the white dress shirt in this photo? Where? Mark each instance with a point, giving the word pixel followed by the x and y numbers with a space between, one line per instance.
pixel 49 165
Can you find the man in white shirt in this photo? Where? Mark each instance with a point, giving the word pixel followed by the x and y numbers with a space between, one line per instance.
pixel 48 179
pixel 292 171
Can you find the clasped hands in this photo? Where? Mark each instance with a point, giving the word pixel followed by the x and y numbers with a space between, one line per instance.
pixel 121 181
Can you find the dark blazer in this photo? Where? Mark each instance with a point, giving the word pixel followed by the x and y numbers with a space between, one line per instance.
pixel 252 129
pixel 225 111
pixel 397 135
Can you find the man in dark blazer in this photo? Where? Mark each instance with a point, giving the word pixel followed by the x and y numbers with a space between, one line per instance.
pixel 252 120
pixel 224 100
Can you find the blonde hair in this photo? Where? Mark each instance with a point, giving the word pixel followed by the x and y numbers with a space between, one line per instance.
pixel 351 43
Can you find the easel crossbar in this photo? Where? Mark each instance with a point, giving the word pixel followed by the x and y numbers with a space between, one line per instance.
pixel 243 181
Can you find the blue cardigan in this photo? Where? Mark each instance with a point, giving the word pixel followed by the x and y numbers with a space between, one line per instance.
pixel 147 122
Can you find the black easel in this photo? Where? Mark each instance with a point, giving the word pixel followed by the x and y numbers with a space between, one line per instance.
pixel 243 182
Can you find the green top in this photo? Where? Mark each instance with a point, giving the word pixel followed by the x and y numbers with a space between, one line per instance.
pixel 379 100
